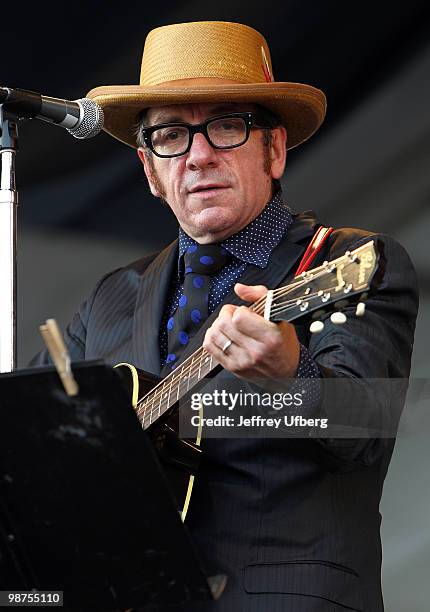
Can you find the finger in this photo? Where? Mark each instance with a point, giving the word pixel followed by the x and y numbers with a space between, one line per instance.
pixel 232 358
pixel 247 363
pixel 252 325
pixel 215 341
pixel 221 330
pixel 250 293
pixel 222 342
pixel 227 311
pixel 241 325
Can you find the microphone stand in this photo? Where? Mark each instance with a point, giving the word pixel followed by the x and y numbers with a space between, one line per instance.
pixel 8 219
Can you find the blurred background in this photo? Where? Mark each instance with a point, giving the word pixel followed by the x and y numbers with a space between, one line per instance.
pixel 85 207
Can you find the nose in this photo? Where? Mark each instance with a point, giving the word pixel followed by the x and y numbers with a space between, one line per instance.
pixel 201 154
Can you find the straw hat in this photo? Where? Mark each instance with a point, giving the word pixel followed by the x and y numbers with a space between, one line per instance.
pixel 209 61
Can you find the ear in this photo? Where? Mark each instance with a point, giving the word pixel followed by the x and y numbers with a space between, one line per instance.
pixel 149 171
pixel 278 151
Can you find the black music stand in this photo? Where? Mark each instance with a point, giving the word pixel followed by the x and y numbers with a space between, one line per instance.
pixel 84 504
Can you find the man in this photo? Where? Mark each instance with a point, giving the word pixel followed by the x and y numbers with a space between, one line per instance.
pixel 294 523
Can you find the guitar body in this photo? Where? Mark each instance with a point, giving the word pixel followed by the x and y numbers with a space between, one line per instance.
pixel 180 458
pixel 345 280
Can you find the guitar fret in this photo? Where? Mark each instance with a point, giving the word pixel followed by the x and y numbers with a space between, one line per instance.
pixel 161 399
pixel 143 421
pixel 168 397
pixel 151 411
pixel 179 385
pixel 189 373
pixel 200 369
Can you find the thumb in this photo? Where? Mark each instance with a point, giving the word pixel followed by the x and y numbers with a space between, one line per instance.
pixel 250 293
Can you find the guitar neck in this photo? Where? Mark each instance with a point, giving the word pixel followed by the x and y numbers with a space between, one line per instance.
pixel 175 386
pixel 337 281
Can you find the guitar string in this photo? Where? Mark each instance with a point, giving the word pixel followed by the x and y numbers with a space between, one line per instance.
pixel 281 291
pixel 187 371
pixel 185 375
pixel 187 368
pixel 159 389
pixel 191 370
pixel 280 306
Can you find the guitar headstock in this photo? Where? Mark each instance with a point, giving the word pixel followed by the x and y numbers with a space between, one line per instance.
pixel 332 286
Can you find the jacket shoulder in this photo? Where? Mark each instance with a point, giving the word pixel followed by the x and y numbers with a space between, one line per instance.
pixel 341 239
pixel 347 238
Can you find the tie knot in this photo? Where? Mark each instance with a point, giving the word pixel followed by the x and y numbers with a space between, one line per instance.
pixel 205 259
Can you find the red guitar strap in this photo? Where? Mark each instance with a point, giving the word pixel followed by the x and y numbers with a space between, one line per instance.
pixel 313 249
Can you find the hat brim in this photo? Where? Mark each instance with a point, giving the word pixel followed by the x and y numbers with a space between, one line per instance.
pixel 301 107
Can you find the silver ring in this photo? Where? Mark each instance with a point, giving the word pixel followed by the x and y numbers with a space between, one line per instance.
pixel 226 346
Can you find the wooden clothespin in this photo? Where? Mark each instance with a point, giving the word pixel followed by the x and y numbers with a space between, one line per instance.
pixel 60 355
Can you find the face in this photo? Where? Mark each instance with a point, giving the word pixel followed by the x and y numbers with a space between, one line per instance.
pixel 214 193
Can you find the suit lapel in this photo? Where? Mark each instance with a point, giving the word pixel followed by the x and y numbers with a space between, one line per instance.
pixel 282 266
pixel 151 299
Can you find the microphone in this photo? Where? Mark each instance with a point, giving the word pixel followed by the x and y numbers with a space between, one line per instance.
pixel 82 118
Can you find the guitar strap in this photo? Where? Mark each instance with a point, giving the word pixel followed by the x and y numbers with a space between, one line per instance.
pixel 313 249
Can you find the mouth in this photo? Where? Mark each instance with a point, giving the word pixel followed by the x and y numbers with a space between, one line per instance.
pixel 209 188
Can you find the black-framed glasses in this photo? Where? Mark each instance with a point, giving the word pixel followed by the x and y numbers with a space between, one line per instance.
pixel 222 132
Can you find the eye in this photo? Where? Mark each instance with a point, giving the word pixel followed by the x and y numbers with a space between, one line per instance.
pixel 228 125
pixel 169 135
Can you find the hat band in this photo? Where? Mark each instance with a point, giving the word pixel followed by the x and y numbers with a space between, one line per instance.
pixel 196 81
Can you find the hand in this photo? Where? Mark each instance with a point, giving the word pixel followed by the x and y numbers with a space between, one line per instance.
pixel 259 348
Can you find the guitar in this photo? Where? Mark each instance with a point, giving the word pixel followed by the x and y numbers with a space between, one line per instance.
pixel 341 282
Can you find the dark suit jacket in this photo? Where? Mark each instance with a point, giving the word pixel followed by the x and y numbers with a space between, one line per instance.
pixel 293 522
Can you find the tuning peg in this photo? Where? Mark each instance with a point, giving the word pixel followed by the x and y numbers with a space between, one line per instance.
pixel 360 310
pixel 338 318
pixel 316 327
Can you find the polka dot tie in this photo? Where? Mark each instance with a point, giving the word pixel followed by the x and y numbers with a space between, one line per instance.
pixel 201 262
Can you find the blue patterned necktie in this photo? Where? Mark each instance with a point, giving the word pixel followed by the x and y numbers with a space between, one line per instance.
pixel 202 261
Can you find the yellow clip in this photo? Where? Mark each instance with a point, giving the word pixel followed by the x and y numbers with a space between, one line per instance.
pixel 60 355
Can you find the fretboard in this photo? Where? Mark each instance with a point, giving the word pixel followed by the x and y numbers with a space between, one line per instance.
pixel 174 387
